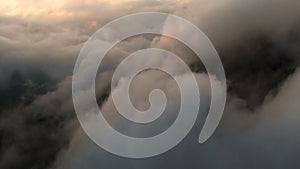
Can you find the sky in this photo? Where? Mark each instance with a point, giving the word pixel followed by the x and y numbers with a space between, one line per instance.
pixel 258 43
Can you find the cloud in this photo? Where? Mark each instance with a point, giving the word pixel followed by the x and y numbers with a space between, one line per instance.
pixel 258 57
pixel 258 43
pixel 32 135
pixel 266 138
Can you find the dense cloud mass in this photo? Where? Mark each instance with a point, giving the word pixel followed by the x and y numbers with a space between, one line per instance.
pixel 258 42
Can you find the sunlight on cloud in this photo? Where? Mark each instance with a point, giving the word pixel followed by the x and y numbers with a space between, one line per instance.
pixel 50 9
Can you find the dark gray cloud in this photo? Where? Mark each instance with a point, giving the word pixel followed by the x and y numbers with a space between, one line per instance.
pixel 33 133
pixel 35 105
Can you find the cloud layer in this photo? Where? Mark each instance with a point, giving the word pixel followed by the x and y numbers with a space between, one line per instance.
pixel 258 43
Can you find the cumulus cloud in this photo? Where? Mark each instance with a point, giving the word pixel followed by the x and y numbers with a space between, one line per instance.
pixel 265 138
pixel 258 57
